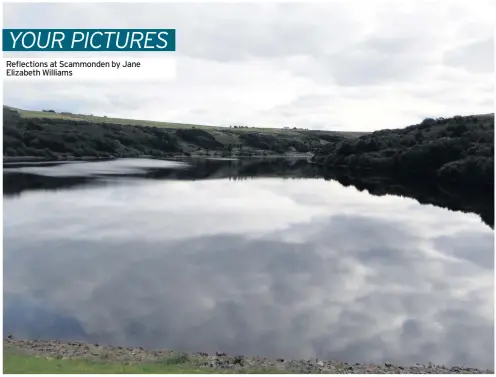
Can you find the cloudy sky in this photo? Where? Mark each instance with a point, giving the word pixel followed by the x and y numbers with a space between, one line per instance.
pixel 361 65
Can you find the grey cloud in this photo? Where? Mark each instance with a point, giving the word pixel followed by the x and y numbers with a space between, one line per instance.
pixel 19 313
pixel 477 57
pixel 248 295
pixel 359 68
pixel 462 247
pixel 390 44
pixel 377 61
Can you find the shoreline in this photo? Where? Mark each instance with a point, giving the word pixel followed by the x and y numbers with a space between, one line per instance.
pixel 34 159
pixel 221 362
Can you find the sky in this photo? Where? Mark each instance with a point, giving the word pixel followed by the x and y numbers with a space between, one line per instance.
pixel 354 66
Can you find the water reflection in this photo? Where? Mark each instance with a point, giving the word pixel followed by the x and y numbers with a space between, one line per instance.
pixel 279 268
pixel 20 177
pixel 425 192
pixel 28 319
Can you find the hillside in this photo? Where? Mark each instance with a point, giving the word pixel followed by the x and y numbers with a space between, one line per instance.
pixel 455 151
pixel 50 135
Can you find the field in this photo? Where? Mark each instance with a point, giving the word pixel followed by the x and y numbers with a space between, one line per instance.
pixel 150 123
pixel 17 362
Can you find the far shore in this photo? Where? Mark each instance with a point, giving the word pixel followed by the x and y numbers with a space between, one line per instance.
pixel 27 159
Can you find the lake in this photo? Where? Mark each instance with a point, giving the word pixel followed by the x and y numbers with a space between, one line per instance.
pixel 252 257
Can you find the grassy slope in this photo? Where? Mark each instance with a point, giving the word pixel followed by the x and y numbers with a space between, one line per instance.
pixel 137 122
pixel 16 362
pixel 37 364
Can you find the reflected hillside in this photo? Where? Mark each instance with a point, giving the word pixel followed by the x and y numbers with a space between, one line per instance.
pixel 239 169
pixel 480 203
pixel 27 177
pixel 16 183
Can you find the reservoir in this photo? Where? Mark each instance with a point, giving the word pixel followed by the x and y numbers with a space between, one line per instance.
pixel 246 257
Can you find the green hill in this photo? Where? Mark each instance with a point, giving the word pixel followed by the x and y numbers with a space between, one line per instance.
pixel 53 135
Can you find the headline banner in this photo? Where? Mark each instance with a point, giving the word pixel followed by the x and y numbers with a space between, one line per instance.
pixel 148 40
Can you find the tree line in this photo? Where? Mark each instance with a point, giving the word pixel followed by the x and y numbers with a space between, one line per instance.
pixel 454 151
pixel 54 138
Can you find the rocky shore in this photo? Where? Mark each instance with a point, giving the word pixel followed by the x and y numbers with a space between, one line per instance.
pixel 219 361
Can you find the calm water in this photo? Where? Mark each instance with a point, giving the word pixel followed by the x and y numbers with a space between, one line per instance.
pixel 152 253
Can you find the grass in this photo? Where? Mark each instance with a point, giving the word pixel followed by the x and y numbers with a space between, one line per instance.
pixel 137 122
pixel 217 131
pixel 104 119
pixel 15 362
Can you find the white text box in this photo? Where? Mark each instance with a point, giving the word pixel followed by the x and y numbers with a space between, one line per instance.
pixel 66 69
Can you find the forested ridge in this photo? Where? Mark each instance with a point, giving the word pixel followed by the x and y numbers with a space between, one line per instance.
pixel 59 139
pixel 59 136
pixel 454 151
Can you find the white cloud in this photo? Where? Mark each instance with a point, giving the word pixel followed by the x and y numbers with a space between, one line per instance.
pixel 255 268
pixel 353 66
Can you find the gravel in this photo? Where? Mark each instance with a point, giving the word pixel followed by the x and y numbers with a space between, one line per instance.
pixel 237 363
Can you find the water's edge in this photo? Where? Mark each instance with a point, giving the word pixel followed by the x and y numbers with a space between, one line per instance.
pixel 28 159
pixel 220 361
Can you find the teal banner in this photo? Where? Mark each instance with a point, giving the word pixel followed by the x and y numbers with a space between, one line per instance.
pixel 89 39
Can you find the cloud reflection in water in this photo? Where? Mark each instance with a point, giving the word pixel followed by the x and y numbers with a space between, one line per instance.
pixel 271 267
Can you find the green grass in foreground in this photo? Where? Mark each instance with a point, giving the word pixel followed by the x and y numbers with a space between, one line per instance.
pixel 39 364
pixel 14 363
